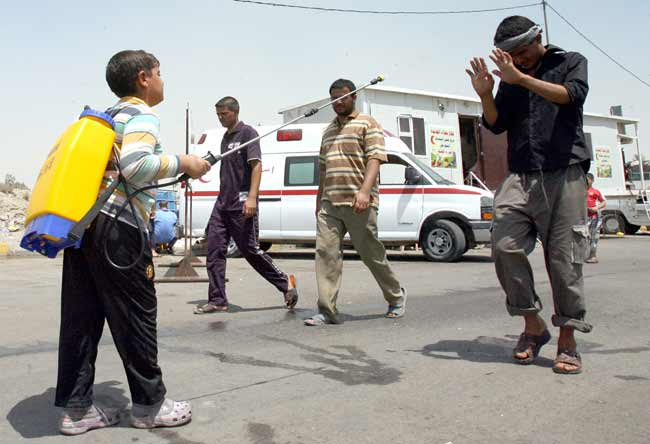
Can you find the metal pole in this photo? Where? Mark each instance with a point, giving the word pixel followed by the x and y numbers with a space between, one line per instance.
pixel 187 151
pixel 545 21
pixel 638 155
pixel 189 187
pixel 185 223
pixel 183 271
pixel 187 128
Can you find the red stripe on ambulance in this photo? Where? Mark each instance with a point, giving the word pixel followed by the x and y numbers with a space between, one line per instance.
pixel 313 192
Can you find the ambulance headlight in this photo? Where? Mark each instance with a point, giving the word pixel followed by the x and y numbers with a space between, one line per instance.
pixel 487 207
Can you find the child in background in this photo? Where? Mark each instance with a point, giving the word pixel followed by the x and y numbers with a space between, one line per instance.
pixel 595 203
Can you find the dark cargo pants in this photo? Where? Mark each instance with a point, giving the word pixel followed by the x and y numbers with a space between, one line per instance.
pixel 552 206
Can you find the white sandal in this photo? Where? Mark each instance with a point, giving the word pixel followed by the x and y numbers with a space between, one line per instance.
pixel 169 413
pixel 76 421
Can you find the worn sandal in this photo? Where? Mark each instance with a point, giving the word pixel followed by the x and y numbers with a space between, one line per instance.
pixel 209 308
pixel 317 320
pixel 395 311
pixel 167 414
pixel 530 344
pixel 398 310
pixel 76 421
pixel 291 296
pixel 571 357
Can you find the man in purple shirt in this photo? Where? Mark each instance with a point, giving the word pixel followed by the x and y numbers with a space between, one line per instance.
pixel 235 213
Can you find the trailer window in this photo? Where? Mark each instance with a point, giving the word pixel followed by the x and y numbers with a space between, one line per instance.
pixel 411 132
pixel 404 124
pixel 419 148
pixel 301 171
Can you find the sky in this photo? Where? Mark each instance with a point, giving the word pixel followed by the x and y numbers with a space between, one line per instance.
pixel 55 53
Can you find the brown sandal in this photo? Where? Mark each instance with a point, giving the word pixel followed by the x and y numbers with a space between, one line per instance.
pixel 209 308
pixel 530 344
pixel 571 357
pixel 291 296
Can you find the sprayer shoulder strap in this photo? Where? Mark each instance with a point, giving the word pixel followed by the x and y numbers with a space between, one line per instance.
pixel 78 229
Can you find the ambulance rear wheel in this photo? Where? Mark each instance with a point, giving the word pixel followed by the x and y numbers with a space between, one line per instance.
pixel 265 246
pixel 443 241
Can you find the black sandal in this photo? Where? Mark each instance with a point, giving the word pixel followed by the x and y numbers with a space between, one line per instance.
pixel 530 344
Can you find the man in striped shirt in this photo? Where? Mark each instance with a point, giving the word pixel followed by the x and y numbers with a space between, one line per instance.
pixel 94 291
pixel 352 149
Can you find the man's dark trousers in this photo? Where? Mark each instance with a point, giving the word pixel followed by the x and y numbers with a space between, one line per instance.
pixel 224 225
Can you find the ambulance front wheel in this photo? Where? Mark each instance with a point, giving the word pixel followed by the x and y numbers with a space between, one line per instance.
pixel 443 241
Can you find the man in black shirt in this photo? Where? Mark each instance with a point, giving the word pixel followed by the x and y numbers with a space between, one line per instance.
pixel 539 103
pixel 235 213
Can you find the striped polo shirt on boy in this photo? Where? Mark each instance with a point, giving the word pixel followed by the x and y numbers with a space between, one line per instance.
pixel 345 151
pixel 137 136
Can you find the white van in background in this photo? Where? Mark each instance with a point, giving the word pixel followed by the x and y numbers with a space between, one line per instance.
pixel 416 205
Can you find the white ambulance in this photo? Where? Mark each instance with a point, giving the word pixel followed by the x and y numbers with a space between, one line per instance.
pixel 416 205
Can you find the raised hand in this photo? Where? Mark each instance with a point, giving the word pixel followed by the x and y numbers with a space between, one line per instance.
pixel 507 71
pixel 482 80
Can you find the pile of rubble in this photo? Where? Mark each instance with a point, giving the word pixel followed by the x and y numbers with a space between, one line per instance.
pixel 13 204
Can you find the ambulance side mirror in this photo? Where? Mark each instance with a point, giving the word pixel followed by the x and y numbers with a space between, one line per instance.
pixel 412 176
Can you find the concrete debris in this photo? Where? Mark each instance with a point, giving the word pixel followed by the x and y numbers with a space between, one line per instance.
pixel 13 205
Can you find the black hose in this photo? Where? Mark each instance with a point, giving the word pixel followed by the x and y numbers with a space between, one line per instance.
pixel 128 201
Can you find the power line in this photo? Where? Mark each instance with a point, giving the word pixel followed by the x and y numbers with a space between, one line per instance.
pixel 366 11
pixel 466 11
pixel 598 47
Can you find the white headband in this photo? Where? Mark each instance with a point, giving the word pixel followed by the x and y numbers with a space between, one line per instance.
pixel 515 42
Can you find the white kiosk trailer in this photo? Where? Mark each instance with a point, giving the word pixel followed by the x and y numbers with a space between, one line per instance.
pixel 445 132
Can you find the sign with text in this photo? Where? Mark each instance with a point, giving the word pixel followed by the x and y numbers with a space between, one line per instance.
pixel 603 157
pixel 444 146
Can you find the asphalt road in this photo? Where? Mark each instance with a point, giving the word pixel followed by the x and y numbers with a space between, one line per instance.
pixel 443 374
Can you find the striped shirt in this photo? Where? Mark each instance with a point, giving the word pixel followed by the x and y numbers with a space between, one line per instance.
pixel 137 136
pixel 344 153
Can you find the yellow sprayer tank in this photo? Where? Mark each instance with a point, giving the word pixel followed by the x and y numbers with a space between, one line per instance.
pixel 68 183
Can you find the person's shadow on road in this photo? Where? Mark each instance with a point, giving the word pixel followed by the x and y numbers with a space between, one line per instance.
pixel 491 349
pixel 36 416
pixel 482 349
